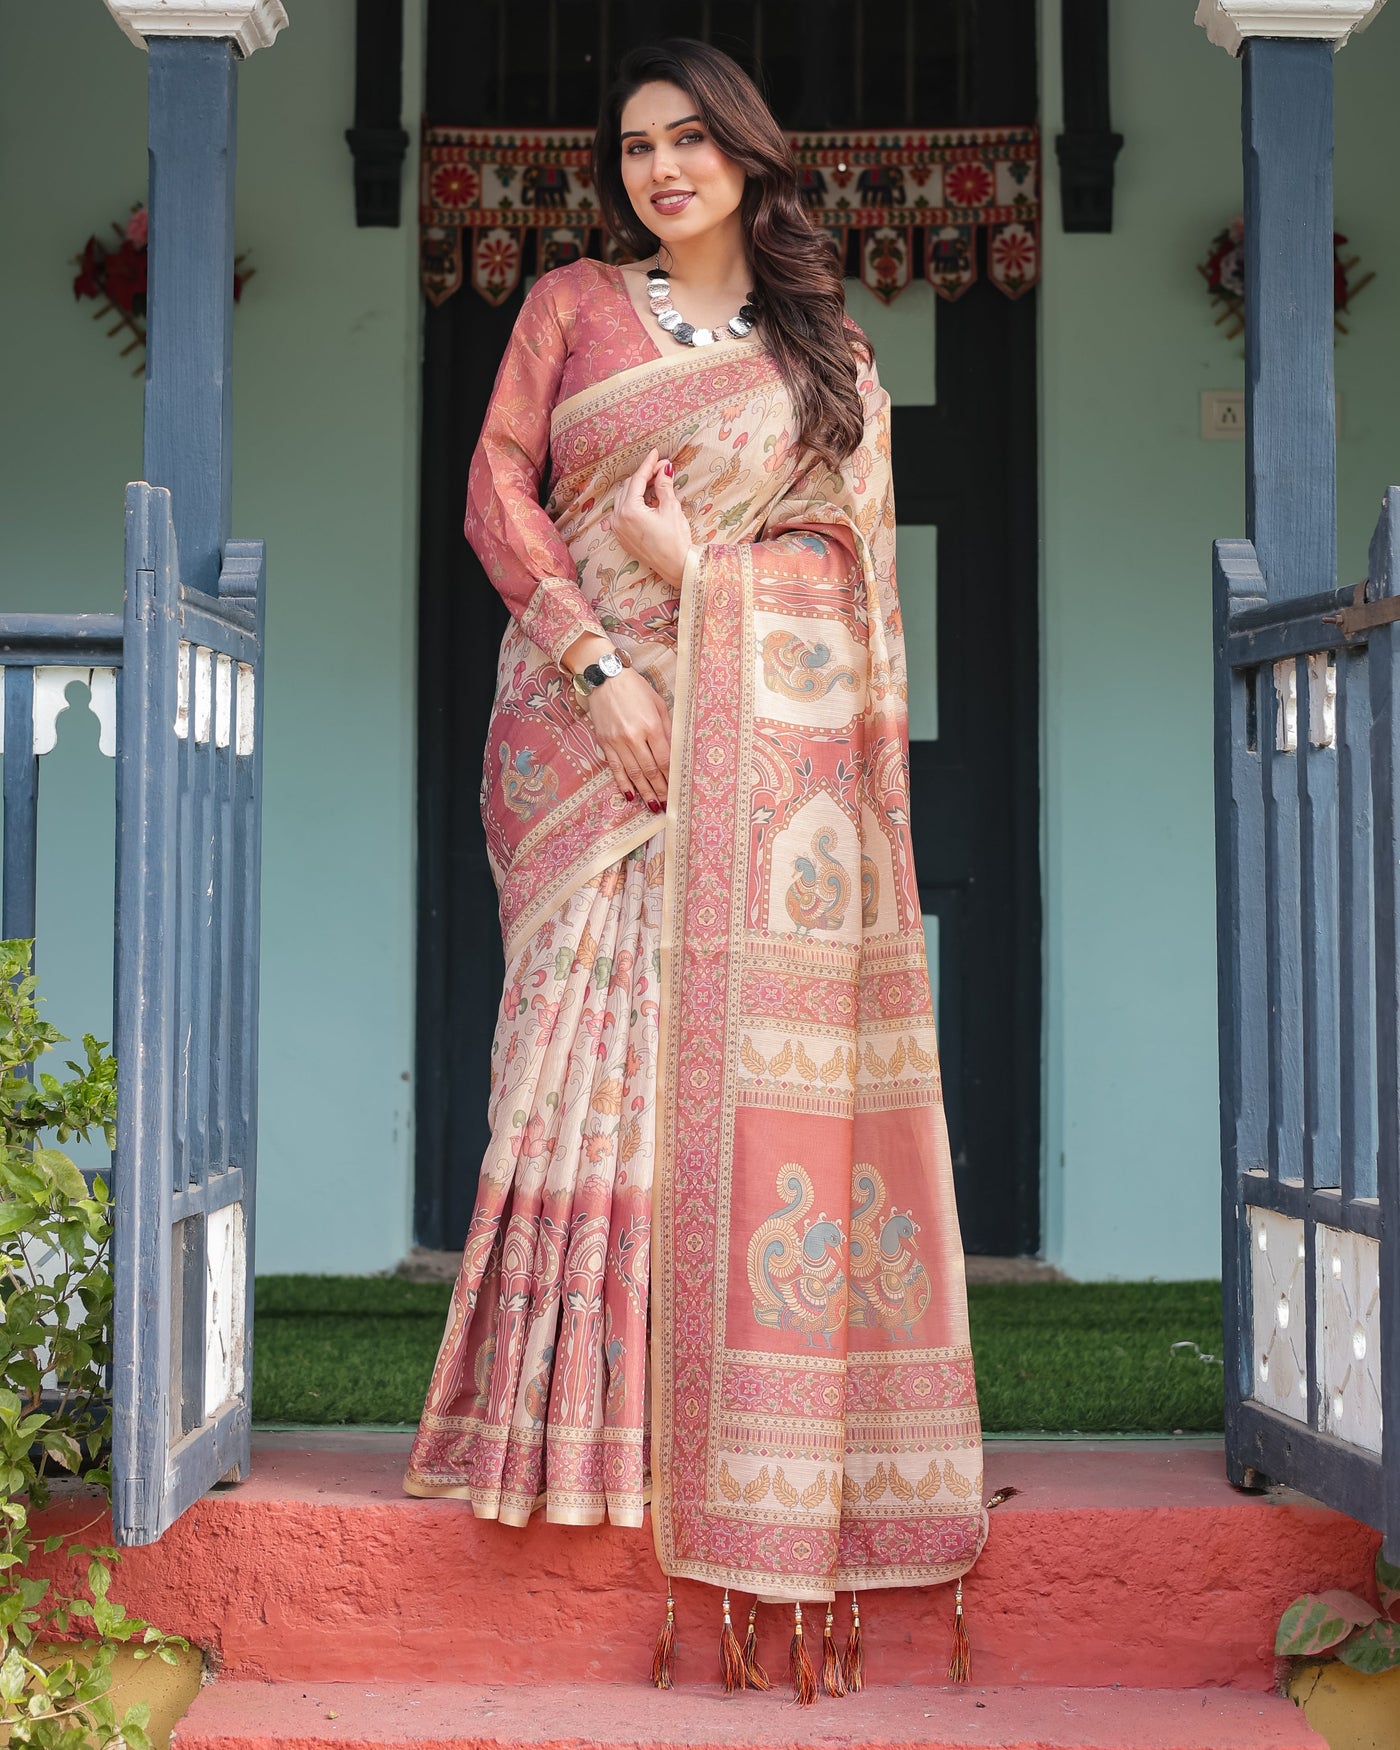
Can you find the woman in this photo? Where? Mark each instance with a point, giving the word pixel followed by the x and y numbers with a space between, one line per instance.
pixel 716 1117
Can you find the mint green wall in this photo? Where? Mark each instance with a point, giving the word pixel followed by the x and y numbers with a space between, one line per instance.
pixel 1131 500
pixel 325 350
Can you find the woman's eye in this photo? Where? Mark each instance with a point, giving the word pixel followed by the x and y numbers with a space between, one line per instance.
pixel 690 139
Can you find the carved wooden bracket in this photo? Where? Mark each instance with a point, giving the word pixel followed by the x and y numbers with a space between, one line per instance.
pixel 248 24
pixel 1230 23
pixel 378 141
pixel 1088 147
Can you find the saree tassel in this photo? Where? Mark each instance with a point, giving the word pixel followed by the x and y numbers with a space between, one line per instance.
pixel 853 1663
pixel 754 1674
pixel 733 1672
pixel 960 1666
pixel 833 1678
pixel 804 1677
pixel 661 1673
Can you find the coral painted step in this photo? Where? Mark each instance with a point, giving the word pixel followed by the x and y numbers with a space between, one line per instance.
pixel 441 1716
pixel 1118 1563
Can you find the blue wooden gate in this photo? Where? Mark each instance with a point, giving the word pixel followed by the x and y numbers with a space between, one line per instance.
pixel 1308 851
pixel 189 828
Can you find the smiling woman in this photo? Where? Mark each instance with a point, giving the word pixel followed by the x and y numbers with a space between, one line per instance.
pixel 714 1261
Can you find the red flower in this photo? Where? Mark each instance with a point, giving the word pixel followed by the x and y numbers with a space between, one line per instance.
pixel 88 284
pixel 125 277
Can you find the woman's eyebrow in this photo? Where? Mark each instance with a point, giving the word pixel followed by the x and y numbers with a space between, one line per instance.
pixel 638 134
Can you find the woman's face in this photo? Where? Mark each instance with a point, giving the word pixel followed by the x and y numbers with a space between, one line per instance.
pixel 679 181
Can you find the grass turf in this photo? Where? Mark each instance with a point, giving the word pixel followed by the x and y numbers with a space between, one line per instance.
pixel 1052 1357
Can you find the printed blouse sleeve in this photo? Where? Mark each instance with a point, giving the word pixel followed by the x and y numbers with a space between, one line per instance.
pixel 506 524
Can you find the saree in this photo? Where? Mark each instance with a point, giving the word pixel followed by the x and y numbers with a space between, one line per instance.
pixel 715 1258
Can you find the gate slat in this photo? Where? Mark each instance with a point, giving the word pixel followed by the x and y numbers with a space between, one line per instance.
pixel 1357 1020
pixel 148 811
pixel 1282 867
pixel 1317 801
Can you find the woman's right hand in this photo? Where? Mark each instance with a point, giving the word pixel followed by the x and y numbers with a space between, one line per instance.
pixel 633 725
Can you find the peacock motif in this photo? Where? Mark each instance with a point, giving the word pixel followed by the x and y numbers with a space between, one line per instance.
pixel 526 785
pixel 821 888
pixel 795 1265
pixel 794 668
pixel 890 1289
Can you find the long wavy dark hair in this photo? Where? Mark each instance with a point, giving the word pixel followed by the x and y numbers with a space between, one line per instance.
pixel 801 301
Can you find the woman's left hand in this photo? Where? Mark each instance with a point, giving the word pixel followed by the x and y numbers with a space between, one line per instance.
pixel 648 521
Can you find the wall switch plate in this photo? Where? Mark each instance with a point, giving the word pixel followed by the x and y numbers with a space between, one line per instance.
pixel 1222 413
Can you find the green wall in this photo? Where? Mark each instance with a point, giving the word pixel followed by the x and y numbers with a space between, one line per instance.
pixel 325 466
pixel 325 462
pixel 1132 498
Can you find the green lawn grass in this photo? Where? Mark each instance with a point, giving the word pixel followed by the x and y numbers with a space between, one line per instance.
pixel 1052 1357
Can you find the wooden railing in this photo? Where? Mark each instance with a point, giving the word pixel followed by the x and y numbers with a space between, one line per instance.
pixel 1308 853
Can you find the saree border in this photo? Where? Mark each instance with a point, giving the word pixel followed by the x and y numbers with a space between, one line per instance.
pixel 607 389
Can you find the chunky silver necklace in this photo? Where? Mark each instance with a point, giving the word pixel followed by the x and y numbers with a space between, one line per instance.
pixel 670 318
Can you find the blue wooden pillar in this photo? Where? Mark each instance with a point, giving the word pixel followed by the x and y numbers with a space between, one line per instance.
pixel 19 883
pixel 1290 421
pixel 189 423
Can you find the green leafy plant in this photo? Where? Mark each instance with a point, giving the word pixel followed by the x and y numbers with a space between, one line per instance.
pixel 56 1647
pixel 1339 1625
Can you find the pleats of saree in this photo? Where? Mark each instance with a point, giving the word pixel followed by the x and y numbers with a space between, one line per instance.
pixel 538 1396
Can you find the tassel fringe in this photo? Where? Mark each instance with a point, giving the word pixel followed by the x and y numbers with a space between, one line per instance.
pixel 853 1663
pixel 733 1673
pixel 804 1677
pixel 960 1666
pixel 661 1672
pixel 833 1678
pixel 754 1674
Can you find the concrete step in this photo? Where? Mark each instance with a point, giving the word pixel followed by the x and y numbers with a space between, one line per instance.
pixel 447 1716
pixel 1117 1563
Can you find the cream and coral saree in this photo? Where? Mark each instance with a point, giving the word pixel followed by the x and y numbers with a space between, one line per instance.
pixel 715 1253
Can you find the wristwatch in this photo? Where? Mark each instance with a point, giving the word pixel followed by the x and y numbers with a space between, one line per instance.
pixel 589 679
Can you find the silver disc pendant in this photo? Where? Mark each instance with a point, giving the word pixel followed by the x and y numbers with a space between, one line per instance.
pixel 681 331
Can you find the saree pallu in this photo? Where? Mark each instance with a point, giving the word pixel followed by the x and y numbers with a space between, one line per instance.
pixel 812 1412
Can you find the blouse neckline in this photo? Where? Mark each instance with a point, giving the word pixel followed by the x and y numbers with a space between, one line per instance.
pixel 728 344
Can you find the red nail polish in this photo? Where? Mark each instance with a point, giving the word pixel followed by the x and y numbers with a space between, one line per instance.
pixel 628 794
pixel 668 470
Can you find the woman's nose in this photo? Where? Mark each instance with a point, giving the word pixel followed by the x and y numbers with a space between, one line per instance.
pixel 663 169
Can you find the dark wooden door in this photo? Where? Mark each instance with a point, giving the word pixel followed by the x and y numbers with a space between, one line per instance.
pixel 964 469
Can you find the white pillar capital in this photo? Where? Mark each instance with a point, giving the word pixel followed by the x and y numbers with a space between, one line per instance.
pixel 251 24
pixel 1229 22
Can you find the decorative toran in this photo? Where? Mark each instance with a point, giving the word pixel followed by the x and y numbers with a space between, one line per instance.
pixel 917 199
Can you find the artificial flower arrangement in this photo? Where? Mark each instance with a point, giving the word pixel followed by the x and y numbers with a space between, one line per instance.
pixel 1223 272
pixel 115 275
